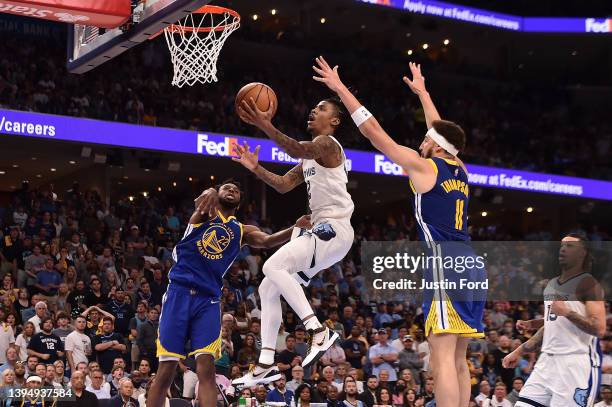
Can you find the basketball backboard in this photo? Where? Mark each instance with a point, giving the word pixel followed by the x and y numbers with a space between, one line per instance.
pixel 89 47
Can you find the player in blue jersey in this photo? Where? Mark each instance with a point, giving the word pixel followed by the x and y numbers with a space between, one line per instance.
pixel 440 184
pixel 191 309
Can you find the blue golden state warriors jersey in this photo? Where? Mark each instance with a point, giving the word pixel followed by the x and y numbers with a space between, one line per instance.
pixel 205 253
pixel 441 213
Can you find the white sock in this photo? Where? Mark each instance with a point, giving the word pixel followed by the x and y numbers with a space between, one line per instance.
pixel 288 286
pixel 271 318
pixel 312 323
pixel 266 357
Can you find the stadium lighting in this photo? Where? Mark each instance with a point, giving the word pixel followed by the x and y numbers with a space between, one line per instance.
pixel 530 209
pixel 34 158
pixel 159 189
pixel 125 177
pixel 409 52
pixel 2 172
pixel 72 162
pixel 446 41
pixel 53 170
pixel 255 17
pixel 190 179
pixel 147 170
pixel 212 177
pixel 483 214
pixel 174 184
pixel 323 20
pixel 574 53
pixel 38 176
pixel 273 11
pixel 425 46
pixel 145 194
pixel 15 166
pixel 131 198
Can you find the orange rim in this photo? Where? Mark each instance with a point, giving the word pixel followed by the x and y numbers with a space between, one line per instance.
pixel 206 10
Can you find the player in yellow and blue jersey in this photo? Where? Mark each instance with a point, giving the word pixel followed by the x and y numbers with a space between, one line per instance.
pixel 191 309
pixel 440 184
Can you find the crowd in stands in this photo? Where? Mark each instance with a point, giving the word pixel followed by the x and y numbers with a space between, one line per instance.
pixel 81 292
pixel 509 124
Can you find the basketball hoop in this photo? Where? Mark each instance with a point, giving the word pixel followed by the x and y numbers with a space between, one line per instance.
pixel 196 41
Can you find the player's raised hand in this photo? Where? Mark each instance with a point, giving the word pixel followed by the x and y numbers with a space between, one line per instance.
pixel 417 84
pixel 303 222
pixel 511 360
pixel 327 75
pixel 250 113
pixel 207 202
pixel 249 159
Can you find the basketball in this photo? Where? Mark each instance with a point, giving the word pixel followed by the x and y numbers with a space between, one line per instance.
pixel 262 94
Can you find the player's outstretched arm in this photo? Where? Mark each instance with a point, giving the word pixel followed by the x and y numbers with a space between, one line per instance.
pixel 254 237
pixel 319 147
pixel 281 183
pixel 421 172
pixel 417 85
pixel 532 345
pixel 522 325
pixel 206 206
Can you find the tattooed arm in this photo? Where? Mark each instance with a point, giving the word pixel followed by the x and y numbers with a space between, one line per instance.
pixel 321 146
pixel 532 345
pixel 281 183
pixel 592 323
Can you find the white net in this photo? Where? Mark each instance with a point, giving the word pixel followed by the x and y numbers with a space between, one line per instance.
pixel 195 43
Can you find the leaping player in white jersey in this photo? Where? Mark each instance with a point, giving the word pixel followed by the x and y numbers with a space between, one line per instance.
pixel 569 368
pixel 324 169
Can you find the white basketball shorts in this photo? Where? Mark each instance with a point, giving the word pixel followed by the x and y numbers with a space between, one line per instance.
pixel 562 381
pixel 306 253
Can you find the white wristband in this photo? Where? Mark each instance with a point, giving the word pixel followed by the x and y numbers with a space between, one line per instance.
pixel 360 115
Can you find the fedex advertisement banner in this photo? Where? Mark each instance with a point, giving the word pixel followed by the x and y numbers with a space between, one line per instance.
pixel 499 20
pixel 454 12
pixel 50 127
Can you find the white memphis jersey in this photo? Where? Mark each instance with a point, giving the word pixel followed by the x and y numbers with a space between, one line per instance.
pixel 561 336
pixel 327 194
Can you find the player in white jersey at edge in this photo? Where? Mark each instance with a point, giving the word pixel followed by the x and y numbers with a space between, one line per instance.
pixel 324 169
pixel 568 370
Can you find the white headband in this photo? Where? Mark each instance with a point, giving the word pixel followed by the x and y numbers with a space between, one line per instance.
pixel 441 141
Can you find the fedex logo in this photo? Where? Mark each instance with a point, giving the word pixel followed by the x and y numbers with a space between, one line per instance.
pixel 224 148
pixel 592 25
pixel 383 166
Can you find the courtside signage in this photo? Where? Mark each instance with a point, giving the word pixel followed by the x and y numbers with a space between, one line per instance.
pixel 498 20
pixel 51 127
